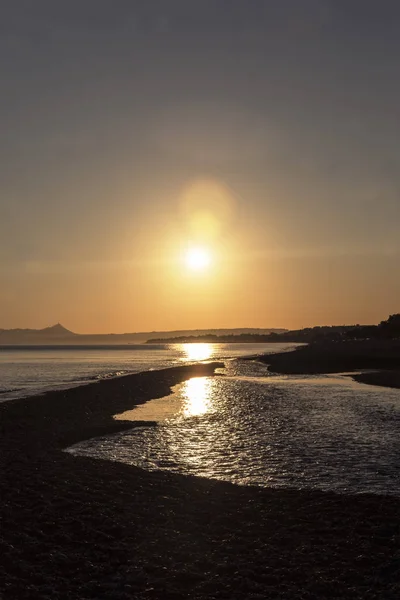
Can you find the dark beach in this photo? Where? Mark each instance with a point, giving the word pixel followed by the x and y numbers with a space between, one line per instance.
pixel 78 528
pixel 380 360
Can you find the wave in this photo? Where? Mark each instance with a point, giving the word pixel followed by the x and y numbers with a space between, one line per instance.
pixel 100 376
pixel 111 374
pixel 10 390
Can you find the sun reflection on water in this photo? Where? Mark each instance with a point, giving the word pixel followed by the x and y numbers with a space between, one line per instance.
pixel 196 395
pixel 201 351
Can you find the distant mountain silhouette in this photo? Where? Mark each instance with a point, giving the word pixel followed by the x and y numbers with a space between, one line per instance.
pixel 54 334
pixel 59 335
pixel 57 330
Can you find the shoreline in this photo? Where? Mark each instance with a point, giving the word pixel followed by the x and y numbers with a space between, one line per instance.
pixel 381 361
pixel 16 393
pixel 56 417
pixel 75 527
pixel 96 379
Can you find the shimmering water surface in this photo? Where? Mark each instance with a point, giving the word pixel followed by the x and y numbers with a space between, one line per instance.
pixel 27 371
pixel 251 428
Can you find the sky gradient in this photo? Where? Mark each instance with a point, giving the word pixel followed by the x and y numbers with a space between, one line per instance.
pixel 267 131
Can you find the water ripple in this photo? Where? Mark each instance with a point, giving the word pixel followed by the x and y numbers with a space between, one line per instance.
pixel 326 433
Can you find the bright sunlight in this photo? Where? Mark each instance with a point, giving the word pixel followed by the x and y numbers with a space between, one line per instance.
pixel 198 259
pixel 200 351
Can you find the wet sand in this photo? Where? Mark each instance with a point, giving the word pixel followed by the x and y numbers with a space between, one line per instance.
pixel 77 528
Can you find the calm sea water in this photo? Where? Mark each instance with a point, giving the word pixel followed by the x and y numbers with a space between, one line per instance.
pixel 251 428
pixel 27 371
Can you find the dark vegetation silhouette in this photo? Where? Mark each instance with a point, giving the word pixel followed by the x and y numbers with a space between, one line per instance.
pixel 374 347
pixel 389 329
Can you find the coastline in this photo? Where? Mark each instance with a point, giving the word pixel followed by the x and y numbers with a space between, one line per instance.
pixel 75 527
pixel 64 367
pixel 59 418
pixel 380 359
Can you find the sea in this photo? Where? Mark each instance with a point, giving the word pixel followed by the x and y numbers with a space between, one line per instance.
pixel 245 425
pixel 32 370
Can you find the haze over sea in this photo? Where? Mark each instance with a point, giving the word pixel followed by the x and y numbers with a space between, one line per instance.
pixel 31 370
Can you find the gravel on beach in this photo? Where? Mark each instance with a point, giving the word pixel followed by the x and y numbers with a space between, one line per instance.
pixel 76 528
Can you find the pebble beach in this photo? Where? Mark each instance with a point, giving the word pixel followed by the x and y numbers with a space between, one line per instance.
pixel 78 528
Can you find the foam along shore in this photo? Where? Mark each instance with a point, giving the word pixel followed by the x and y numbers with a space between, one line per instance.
pixel 381 357
pixel 75 527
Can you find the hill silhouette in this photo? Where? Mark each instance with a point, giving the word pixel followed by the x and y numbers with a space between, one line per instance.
pixel 60 335
pixel 57 330
pixel 57 334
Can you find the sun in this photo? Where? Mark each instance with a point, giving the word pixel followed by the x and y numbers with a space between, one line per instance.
pixel 198 259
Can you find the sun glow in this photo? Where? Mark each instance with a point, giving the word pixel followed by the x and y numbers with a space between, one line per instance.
pixel 198 259
pixel 200 351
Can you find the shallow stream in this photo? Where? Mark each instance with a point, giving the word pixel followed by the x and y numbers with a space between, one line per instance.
pixel 251 428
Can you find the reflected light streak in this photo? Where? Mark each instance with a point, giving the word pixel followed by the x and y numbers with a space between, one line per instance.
pixel 196 396
pixel 201 351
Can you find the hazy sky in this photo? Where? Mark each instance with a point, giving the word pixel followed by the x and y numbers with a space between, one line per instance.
pixel 266 131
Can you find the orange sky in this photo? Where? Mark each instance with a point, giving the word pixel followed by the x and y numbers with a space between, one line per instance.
pixel 268 135
pixel 140 280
